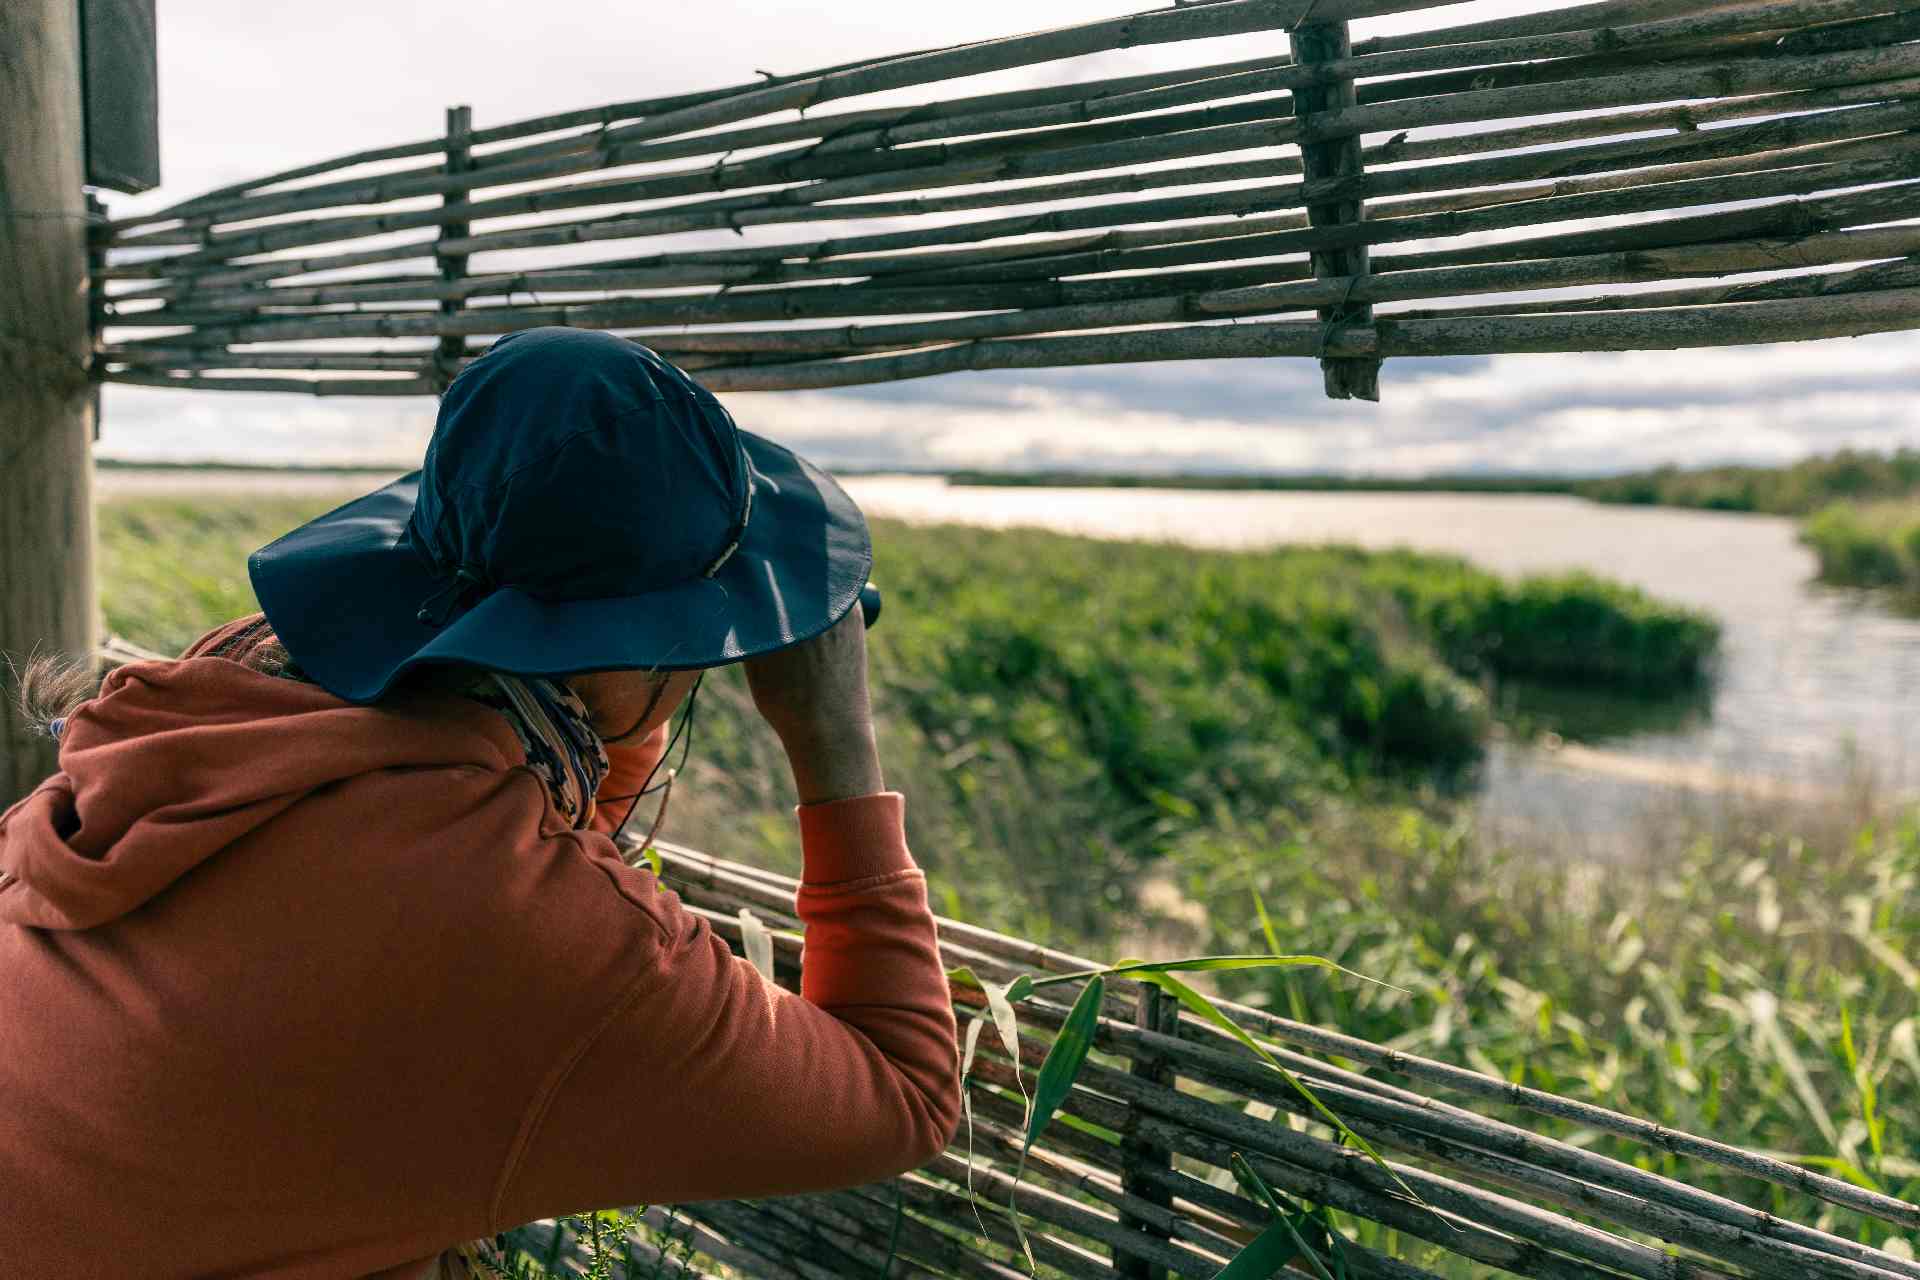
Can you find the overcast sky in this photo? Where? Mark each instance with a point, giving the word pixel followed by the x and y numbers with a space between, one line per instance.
pixel 252 86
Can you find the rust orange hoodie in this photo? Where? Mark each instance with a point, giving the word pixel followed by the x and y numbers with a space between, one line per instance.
pixel 291 987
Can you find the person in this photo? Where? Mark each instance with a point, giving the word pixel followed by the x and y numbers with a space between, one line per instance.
pixel 319 956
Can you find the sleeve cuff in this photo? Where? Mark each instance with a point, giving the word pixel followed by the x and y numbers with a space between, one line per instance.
pixel 855 838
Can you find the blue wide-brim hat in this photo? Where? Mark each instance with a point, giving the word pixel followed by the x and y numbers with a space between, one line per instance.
pixel 583 506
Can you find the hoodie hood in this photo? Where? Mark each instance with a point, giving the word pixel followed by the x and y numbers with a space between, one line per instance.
pixel 174 761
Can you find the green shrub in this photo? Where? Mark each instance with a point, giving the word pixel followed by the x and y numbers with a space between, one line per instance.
pixel 1573 627
pixel 1795 489
pixel 1877 545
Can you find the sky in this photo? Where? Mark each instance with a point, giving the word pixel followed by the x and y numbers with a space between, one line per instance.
pixel 253 86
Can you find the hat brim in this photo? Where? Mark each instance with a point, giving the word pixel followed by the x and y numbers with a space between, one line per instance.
pixel 341 592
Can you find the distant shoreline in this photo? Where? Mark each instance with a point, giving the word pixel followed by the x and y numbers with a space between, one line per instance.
pixel 1286 483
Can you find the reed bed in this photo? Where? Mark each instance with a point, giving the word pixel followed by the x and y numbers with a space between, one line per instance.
pixel 1130 1127
pixel 1761 159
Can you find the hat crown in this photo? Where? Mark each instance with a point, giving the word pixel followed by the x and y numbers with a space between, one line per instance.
pixel 570 464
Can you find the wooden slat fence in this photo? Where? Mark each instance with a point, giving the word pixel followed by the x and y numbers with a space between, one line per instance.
pixel 1135 1181
pixel 1509 185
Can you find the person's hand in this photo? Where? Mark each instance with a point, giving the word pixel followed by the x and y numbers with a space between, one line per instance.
pixel 814 695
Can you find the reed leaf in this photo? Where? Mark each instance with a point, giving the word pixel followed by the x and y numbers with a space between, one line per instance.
pixel 1057 1074
pixel 1250 1180
pixel 1144 969
pixel 757 943
pixel 1269 1251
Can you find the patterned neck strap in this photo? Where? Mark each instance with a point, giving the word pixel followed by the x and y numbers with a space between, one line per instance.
pixel 562 747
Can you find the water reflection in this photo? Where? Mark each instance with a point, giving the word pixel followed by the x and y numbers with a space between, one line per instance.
pixel 1593 716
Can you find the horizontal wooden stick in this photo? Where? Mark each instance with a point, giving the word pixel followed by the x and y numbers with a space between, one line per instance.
pixel 1126 1039
pixel 1723 80
pixel 808 163
pixel 842 258
pixel 603 116
pixel 834 125
pixel 1231 17
pixel 1581 17
pixel 1479 1224
pixel 433 288
pixel 692 868
pixel 1632 266
pixel 1778 131
pixel 1661 1211
pixel 1069 150
pixel 746 211
pixel 1744 76
pixel 1901 163
pixel 954 1209
pixel 1892 29
pixel 1883 275
pixel 309 386
pixel 930 166
pixel 1680 327
pixel 888 126
pixel 1031 109
pixel 310 361
pixel 779 1246
pixel 876 1208
pixel 1798 218
pixel 1781 138
pixel 1846 315
pixel 1591 16
pixel 1511 1156
pixel 821 1232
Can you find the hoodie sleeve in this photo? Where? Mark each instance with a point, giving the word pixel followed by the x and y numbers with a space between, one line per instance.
pixel 707 1082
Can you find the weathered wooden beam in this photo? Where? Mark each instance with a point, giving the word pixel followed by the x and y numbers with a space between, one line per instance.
pixel 453 266
pixel 1156 1012
pixel 1345 377
pixel 46 403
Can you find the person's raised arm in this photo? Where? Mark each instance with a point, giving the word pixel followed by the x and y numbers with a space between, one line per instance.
pixel 707 1082
pixel 815 697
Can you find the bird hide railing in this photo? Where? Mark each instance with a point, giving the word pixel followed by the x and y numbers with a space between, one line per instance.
pixel 1615 175
pixel 1135 1177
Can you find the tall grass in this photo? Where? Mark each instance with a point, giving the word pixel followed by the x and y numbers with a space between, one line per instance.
pixel 1755 986
pixel 1867 545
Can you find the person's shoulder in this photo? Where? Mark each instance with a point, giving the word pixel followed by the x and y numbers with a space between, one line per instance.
pixel 490 839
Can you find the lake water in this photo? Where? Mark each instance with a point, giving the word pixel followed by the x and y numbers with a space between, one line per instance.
pixel 1816 686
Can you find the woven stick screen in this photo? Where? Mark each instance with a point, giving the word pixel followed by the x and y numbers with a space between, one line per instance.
pixel 1132 1178
pixel 1620 175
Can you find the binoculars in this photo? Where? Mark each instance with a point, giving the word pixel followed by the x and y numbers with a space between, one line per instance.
pixel 870 604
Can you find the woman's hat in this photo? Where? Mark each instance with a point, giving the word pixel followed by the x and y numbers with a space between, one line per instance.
pixel 583 506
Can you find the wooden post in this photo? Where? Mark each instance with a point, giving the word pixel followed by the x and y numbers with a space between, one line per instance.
pixel 1156 1011
pixel 453 266
pixel 1346 377
pixel 46 405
